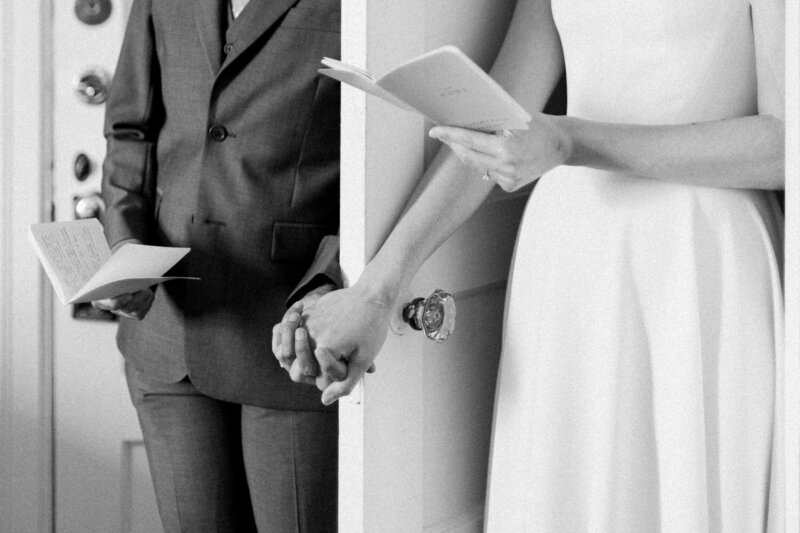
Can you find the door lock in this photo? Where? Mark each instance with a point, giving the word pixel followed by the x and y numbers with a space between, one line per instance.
pixel 82 167
pixel 92 86
pixel 92 12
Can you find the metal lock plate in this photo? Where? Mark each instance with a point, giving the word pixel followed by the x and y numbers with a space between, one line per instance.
pixel 92 12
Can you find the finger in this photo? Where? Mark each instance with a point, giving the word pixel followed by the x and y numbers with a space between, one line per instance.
pixel 134 315
pixel 296 307
pixel 338 389
pixel 276 347
pixel 139 304
pixel 355 371
pixel 292 320
pixel 486 143
pixel 112 304
pixel 330 365
pixel 322 381
pixel 302 350
pixel 103 305
pixel 331 368
pixel 504 182
pixel 478 160
pixel 276 341
pixel 296 373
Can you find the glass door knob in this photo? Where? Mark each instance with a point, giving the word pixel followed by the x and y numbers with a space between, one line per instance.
pixel 434 315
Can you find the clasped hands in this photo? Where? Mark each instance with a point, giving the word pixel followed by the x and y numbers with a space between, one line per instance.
pixel 330 338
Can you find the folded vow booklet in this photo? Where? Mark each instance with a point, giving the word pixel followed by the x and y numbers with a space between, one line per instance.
pixel 444 85
pixel 82 268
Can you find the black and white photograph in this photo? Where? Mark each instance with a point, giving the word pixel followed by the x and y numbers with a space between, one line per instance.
pixel 415 266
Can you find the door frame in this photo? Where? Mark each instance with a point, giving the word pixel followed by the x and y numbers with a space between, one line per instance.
pixel 26 381
pixel 792 270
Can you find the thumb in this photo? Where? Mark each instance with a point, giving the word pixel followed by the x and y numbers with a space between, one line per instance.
pixel 337 389
pixel 334 368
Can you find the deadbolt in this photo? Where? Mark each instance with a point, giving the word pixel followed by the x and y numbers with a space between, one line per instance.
pixel 92 12
pixel 82 167
pixel 92 86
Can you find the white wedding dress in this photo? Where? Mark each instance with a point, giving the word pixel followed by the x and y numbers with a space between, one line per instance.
pixel 642 347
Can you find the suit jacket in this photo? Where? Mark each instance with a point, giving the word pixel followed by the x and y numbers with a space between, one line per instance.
pixel 225 141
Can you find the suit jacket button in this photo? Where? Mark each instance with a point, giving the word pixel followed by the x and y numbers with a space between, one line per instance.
pixel 218 133
pixel 227 49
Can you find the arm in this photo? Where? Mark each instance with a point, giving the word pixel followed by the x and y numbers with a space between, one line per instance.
pixel 134 115
pixel 324 270
pixel 528 66
pixel 352 323
pixel 744 152
pixel 737 153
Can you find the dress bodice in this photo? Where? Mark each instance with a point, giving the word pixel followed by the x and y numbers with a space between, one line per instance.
pixel 658 61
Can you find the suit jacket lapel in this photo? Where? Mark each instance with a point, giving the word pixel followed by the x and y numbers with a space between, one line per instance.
pixel 211 20
pixel 256 18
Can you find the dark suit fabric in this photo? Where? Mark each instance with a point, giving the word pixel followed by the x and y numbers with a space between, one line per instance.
pixel 223 138
pixel 225 141
pixel 224 467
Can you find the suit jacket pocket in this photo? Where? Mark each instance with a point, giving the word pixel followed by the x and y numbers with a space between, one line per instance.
pixel 294 242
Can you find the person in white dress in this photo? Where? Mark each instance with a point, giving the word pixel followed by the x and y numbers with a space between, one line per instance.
pixel 642 345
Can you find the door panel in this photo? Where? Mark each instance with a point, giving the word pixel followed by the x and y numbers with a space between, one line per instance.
pixel 102 480
pixel 791 365
pixel 414 438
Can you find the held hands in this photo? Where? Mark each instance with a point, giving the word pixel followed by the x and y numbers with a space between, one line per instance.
pixel 345 329
pixel 290 343
pixel 511 159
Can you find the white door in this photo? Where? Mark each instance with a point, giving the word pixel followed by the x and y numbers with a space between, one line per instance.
pixel 414 441
pixel 792 269
pixel 102 480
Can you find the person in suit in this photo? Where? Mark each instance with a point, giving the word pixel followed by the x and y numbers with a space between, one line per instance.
pixel 223 138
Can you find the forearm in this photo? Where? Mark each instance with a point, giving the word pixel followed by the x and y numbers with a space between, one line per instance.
pixel 129 193
pixel 134 117
pixel 528 65
pixel 448 195
pixel 324 270
pixel 742 152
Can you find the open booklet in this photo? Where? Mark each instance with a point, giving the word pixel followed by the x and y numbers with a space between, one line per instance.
pixel 444 85
pixel 82 268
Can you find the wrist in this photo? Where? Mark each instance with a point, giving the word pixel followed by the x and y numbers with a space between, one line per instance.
pixel 123 242
pixel 375 286
pixel 568 147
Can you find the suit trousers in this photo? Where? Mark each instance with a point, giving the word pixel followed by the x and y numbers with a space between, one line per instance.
pixel 224 467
